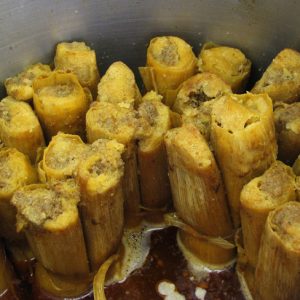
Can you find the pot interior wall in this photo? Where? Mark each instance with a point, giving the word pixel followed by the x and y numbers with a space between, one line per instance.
pixel 120 29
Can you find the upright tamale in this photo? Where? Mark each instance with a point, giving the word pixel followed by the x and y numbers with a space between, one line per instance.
pixel 260 196
pixel 61 157
pixel 277 274
pixel 152 158
pixel 20 86
pixel 79 59
pixel 230 64
pixel 170 61
pixel 197 90
pixel 281 80
pixel 100 179
pixel 287 124
pixel 15 171
pixel 61 104
pixel 118 86
pixel 19 127
pixel 198 193
pixel 49 217
pixel 243 138
pixel 112 121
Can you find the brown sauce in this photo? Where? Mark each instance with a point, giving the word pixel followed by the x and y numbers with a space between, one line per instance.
pixel 164 263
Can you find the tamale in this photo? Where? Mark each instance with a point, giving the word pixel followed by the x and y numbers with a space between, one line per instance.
pixel 243 138
pixel 61 157
pixel 277 274
pixel 197 90
pixel 170 61
pixel 198 193
pixel 100 179
pixel 79 59
pixel 49 217
pixel 15 172
pixel 111 121
pixel 260 196
pixel 230 64
pixel 61 104
pixel 118 86
pixel 281 80
pixel 20 128
pixel 152 157
pixel 20 86
pixel 287 124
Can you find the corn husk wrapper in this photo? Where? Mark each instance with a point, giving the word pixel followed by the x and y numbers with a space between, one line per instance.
pixel 258 198
pixel 243 138
pixel 48 214
pixel 61 104
pixel 277 273
pixel 230 64
pixel 101 207
pixel 281 80
pixel 20 128
pixel 118 86
pixel 152 157
pixel 79 59
pixel 16 171
pixel 198 193
pixel 170 61
pixel 20 86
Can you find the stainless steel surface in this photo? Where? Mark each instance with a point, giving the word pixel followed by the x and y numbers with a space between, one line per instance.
pixel 120 29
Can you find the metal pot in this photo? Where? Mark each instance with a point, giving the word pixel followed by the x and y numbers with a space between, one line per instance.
pixel 120 29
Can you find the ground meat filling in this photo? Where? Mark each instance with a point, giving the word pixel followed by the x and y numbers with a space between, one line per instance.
pixel 275 181
pixel 148 111
pixel 38 205
pixel 286 223
pixel 59 90
pixel 169 53
pixel 286 115
pixel 104 165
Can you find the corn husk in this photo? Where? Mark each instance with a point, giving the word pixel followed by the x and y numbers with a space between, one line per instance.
pixel 152 157
pixel 243 138
pixel 118 86
pixel 277 274
pixel 198 193
pixel 61 104
pixel 197 90
pixel 101 207
pixel 16 171
pixel 260 196
pixel 20 128
pixel 111 121
pixel 281 80
pixel 287 124
pixel 79 59
pixel 60 286
pixel 49 217
pixel 170 61
pixel 20 86
pixel 230 64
